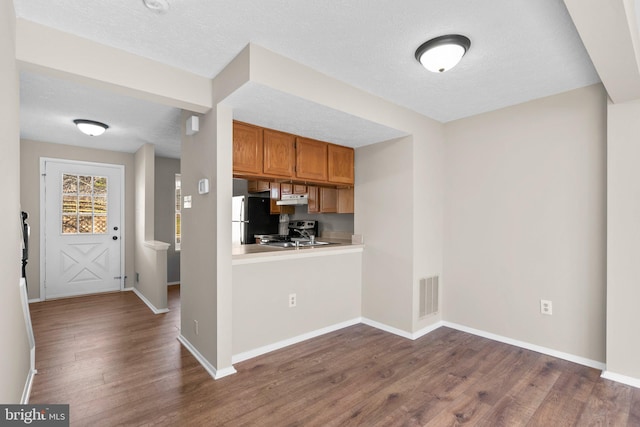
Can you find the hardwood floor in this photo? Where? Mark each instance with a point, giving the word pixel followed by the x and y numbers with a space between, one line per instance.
pixel 116 363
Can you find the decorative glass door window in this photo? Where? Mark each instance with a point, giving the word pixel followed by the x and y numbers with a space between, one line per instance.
pixel 84 204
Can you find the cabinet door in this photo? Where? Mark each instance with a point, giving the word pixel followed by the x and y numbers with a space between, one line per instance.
pixel 340 164
pixel 311 159
pixel 328 200
pixel 276 193
pixel 247 149
pixel 345 200
pixel 279 153
pixel 274 196
pixel 313 206
pixel 299 189
pixel 286 188
pixel 257 186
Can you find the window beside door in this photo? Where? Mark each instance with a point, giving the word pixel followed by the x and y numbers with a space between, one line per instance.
pixel 178 193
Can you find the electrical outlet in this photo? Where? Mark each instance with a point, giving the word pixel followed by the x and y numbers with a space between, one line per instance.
pixel 196 328
pixel 292 300
pixel 546 307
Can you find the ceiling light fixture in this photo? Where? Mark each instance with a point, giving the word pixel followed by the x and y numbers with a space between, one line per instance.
pixel 91 127
pixel 442 53
pixel 160 6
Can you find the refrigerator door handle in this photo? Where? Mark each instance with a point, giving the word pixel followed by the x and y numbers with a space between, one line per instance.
pixel 242 223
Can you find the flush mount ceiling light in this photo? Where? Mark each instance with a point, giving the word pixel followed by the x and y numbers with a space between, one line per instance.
pixel 90 127
pixel 442 53
pixel 160 6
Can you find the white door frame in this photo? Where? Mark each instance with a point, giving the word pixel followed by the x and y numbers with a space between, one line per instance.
pixel 43 212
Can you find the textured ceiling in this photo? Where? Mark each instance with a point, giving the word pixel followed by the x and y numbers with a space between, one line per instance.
pixel 48 107
pixel 520 49
pixel 269 108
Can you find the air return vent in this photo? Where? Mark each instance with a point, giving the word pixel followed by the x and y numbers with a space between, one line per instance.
pixel 429 296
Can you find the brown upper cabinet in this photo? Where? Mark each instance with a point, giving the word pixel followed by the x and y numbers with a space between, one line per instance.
pixel 247 149
pixel 311 159
pixel 278 156
pixel 340 164
pixel 279 153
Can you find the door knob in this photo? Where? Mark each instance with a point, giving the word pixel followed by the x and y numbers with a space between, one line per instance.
pixel 115 237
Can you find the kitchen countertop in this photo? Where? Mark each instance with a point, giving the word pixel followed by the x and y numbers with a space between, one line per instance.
pixel 248 254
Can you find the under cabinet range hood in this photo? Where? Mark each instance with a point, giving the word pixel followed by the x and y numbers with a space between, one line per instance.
pixel 293 199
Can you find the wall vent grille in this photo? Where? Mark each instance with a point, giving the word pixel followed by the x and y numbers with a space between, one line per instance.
pixel 429 296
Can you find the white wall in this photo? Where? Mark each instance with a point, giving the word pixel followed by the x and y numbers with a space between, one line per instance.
pixel 145 193
pixel 150 278
pixel 428 198
pixel 30 154
pixel 14 351
pixel 623 245
pixel 164 206
pixel 205 261
pixel 328 291
pixel 525 219
pixel 198 266
pixel 384 216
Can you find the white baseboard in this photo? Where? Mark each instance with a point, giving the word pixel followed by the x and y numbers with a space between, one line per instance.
pixel 173 283
pixel 533 347
pixel 128 289
pixel 31 301
pixel 216 374
pixel 241 357
pixel 387 328
pixel 633 382
pixel 404 334
pixel 151 306
pixel 27 387
pixel 427 330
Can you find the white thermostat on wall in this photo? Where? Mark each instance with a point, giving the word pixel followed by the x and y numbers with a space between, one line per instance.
pixel 203 186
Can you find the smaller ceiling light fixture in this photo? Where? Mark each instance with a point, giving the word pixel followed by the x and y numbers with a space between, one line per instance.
pixel 90 127
pixel 159 6
pixel 442 53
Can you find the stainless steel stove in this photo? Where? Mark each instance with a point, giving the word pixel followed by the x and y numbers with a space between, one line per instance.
pixel 303 228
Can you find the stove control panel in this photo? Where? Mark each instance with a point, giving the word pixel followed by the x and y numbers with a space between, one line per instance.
pixel 302 224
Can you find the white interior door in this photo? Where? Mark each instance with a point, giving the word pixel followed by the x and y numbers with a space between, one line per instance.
pixel 82 228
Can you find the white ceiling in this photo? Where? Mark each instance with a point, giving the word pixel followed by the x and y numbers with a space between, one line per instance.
pixel 520 49
pixel 267 107
pixel 48 107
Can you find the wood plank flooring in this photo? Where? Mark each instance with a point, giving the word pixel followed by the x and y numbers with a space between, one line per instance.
pixel 116 363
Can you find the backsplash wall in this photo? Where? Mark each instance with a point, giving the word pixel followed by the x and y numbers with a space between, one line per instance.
pixel 327 222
